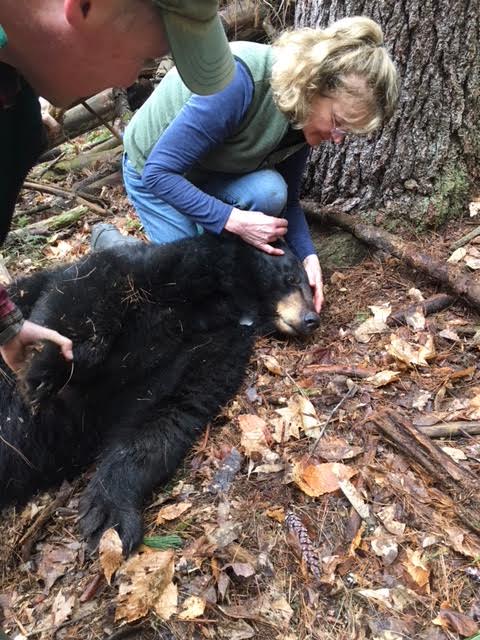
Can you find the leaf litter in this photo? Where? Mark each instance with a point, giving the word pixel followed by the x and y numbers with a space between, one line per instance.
pixel 356 540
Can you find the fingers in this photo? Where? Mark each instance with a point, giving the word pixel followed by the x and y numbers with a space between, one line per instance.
pixel 64 343
pixel 272 251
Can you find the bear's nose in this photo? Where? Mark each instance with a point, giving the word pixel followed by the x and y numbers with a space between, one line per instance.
pixel 311 321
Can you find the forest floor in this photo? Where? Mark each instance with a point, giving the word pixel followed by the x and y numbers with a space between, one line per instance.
pixel 328 529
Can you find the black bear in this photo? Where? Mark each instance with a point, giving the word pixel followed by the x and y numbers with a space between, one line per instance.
pixel 162 336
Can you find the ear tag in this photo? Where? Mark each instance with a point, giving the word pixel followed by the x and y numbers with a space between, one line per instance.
pixel 3 38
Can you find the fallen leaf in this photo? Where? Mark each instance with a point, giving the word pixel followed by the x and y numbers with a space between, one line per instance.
pixel 315 479
pixel 235 630
pixel 374 325
pixel 111 553
pixel 472 262
pixel 397 598
pixel 416 565
pixel 384 545
pixel 172 512
pixel 353 495
pixel 410 354
pixel 455 621
pixel 383 378
pixel 62 608
pixel 454 453
pixel 416 319
pixel 334 449
pixel 273 610
pixel 277 514
pixel 253 430
pixel 449 334
pixel 473 208
pixel 457 255
pixel 55 561
pixel 192 608
pixel 420 399
pixel 387 517
pixel 272 365
pixel 145 585
pixel 298 415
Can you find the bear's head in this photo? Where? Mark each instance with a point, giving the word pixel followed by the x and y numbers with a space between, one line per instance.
pixel 283 295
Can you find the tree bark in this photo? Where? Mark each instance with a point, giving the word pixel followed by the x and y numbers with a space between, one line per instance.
pixel 423 163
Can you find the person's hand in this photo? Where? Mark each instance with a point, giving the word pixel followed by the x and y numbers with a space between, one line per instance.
pixel 311 265
pixel 257 229
pixel 14 352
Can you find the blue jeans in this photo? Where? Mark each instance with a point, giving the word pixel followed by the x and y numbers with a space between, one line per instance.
pixel 264 190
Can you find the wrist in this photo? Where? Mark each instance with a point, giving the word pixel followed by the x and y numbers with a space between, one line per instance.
pixel 233 224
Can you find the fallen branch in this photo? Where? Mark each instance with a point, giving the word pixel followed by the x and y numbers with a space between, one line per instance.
pixel 30 536
pixel 338 369
pixel 50 225
pixel 452 429
pixel 465 239
pixel 460 484
pixel 64 193
pixel 431 305
pixel 450 276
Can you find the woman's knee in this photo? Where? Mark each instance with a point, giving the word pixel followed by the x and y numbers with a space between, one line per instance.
pixel 268 193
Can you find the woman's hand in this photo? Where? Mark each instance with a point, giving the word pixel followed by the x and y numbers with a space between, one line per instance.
pixel 257 229
pixel 314 272
pixel 14 352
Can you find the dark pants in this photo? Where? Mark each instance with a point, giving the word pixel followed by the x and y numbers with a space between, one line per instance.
pixel 22 140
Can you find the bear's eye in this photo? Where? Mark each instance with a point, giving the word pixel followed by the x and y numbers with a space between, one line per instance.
pixel 293 280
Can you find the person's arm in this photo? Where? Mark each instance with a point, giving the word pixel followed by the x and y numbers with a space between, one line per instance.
pixel 17 334
pixel 202 125
pixel 298 236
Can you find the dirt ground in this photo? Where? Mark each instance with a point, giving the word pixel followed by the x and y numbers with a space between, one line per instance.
pixel 326 526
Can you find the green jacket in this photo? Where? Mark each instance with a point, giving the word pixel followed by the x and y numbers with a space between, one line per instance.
pixel 259 141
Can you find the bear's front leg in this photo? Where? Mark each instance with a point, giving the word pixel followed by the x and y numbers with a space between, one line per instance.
pixel 125 477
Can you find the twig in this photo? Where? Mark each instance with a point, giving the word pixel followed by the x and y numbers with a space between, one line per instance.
pixel 29 537
pixel 349 394
pixel 51 164
pixel 338 369
pixel 452 429
pixel 64 193
pixel 465 239
pixel 112 130
pixel 431 305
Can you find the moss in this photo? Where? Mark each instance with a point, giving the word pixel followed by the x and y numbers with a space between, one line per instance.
pixel 449 196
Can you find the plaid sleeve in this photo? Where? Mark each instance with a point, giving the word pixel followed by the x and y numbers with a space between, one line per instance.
pixel 11 318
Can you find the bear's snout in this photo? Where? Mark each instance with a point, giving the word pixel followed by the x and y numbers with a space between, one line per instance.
pixel 311 321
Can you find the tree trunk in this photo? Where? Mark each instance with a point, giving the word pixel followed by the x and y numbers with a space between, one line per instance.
pixel 423 165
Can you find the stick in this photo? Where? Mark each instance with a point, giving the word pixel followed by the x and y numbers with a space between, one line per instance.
pixel 451 429
pixel 47 188
pixel 338 369
pixel 431 305
pixel 450 276
pixel 32 533
pixel 49 225
pixel 465 239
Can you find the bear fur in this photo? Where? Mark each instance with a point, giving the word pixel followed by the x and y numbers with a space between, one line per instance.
pixel 162 336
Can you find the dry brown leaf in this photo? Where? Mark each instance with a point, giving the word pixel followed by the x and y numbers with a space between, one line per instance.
pixel 416 319
pixel 387 516
pixel 253 430
pixel 397 598
pixel 455 621
pixel 412 355
pixel 172 512
pixel 382 378
pixel 276 513
pixel 353 495
pixel 377 324
pixel 384 545
pixel 298 415
pixel 315 478
pixel 273 610
pixel 334 449
pixel 273 365
pixel 456 454
pixel 146 584
pixel 457 255
pixel 62 608
pixel 111 553
pixel 192 608
pixel 416 565
pixel 55 561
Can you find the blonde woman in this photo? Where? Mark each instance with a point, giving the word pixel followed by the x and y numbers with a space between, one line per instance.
pixel 235 160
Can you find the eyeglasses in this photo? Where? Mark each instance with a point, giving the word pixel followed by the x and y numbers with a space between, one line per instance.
pixel 336 131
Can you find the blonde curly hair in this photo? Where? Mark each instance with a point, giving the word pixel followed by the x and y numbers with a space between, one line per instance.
pixel 346 58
